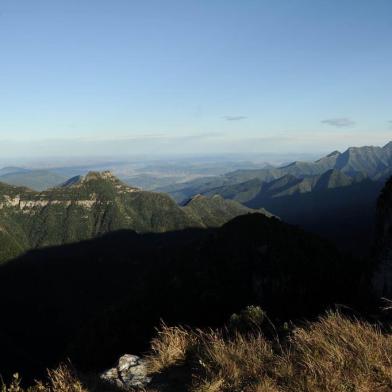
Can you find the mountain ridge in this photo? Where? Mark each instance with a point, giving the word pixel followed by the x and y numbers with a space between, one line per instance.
pixel 95 204
pixel 367 161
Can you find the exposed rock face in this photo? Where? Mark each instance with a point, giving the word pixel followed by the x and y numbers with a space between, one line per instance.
pixel 130 372
pixel 382 281
pixel 98 203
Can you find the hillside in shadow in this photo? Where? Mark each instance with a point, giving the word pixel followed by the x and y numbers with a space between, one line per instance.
pixel 344 215
pixel 94 300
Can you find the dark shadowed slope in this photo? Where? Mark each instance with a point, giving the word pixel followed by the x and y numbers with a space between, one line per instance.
pixel 344 214
pixel 383 248
pixel 97 299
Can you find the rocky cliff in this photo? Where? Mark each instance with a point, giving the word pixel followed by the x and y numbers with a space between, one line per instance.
pixel 98 203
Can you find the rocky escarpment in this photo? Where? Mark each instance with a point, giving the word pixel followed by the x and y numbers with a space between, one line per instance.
pixel 95 204
pixel 382 281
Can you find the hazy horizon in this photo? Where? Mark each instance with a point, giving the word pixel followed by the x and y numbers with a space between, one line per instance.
pixel 74 160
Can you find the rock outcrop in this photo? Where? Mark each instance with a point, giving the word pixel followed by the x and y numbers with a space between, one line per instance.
pixel 129 373
pixel 98 203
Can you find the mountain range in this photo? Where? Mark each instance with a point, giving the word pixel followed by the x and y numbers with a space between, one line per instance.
pixel 334 196
pixel 88 206
pixel 370 162
pixel 90 267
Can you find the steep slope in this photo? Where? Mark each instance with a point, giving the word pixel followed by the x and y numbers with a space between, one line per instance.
pixel 382 281
pixel 214 211
pixel 332 204
pixel 94 300
pixel 368 161
pixel 280 184
pixel 241 192
pixel 89 206
pixel 342 214
pixel 388 151
pixel 255 191
pixel 287 185
pixel 301 169
pixel 332 179
pixel 182 192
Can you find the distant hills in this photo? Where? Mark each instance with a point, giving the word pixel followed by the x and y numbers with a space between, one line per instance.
pixel 12 169
pixel 147 174
pixel 256 191
pixel 35 179
pixel 371 162
pixel 88 206
pixel 334 196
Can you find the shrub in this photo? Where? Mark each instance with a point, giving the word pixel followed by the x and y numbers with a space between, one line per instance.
pixel 251 318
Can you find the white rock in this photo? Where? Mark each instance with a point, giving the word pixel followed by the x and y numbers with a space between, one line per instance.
pixel 130 372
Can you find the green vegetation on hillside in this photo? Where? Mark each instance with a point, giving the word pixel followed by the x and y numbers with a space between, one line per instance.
pixel 87 207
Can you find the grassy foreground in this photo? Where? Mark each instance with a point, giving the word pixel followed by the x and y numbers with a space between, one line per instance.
pixel 333 354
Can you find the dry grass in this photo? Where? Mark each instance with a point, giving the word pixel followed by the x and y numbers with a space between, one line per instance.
pixel 60 380
pixel 233 363
pixel 334 354
pixel 171 347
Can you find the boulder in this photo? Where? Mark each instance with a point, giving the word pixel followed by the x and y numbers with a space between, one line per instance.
pixel 129 373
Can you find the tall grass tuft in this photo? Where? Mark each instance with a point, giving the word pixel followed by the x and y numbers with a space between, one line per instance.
pixel 171 347
pixel 61 379
pixel 333 354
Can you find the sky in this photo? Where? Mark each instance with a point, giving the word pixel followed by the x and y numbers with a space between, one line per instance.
pixel 107 77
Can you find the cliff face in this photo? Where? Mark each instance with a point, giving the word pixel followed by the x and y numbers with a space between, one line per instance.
pixel 382 281
pixel 98 203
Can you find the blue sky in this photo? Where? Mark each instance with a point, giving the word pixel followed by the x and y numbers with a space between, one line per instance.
pixel 204 76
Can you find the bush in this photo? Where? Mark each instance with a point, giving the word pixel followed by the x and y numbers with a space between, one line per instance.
pixel 250 319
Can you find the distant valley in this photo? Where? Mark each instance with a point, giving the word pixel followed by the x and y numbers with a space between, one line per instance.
pixel 334 196
pixel 145 174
